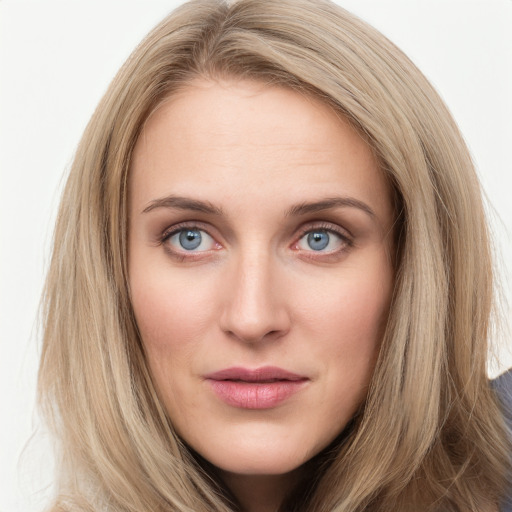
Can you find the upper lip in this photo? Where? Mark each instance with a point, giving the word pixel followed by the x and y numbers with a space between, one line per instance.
pixel 263 374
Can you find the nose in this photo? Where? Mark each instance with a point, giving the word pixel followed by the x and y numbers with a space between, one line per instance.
pixel 255 307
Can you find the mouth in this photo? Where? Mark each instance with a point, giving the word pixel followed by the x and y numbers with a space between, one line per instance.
pixel 261 388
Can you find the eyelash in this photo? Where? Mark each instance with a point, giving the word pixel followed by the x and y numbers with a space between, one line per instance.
pixel 345 239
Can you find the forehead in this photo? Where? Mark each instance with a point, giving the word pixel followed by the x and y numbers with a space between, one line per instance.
pixel 218 138
pixel 249 112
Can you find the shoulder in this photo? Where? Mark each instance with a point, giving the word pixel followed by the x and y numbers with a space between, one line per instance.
pixel 503 383
pixel 503 387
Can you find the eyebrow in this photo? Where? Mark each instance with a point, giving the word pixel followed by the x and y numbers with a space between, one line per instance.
pixel 329 203
pixel 183 203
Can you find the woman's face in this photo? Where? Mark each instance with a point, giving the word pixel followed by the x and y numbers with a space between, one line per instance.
pixel 260 270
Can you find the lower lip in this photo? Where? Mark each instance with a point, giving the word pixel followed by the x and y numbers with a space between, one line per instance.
pixel 255 395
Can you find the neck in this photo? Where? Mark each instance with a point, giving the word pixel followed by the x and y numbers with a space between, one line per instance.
pixel 260 493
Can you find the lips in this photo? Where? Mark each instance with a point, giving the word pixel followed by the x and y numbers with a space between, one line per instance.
pixel 261 388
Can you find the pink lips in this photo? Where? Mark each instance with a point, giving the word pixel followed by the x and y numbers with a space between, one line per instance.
pixel 262 388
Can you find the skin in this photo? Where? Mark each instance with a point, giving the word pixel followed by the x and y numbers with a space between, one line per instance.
pixel 255 293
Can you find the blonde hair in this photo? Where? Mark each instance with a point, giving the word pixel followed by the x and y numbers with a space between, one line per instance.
pixel 430 435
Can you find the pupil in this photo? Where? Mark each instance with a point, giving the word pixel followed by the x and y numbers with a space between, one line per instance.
pixel 190 240
pixel 318 240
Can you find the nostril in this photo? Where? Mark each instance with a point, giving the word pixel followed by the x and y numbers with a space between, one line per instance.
pixel 255 334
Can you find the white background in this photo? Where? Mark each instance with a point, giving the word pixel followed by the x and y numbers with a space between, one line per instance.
pixel 57 59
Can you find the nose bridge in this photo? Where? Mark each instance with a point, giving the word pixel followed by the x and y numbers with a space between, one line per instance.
pixel 254 309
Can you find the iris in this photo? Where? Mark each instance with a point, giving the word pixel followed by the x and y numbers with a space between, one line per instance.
pixel 318 240
pixel 190 239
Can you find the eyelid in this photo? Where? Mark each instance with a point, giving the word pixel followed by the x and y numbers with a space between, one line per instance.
pixel 180 226
pixel 325 226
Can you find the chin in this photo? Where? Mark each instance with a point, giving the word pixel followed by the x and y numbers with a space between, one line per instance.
pixel 263 465
pixel 260 455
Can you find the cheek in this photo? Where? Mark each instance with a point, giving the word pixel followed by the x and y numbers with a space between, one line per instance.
pixel 171 323
pixel 348 322
pixel 162 314
pixel 173 313
pixel 352 309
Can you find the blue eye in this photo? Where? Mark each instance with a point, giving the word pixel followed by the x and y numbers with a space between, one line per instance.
pixel 190 240
pixel 321 240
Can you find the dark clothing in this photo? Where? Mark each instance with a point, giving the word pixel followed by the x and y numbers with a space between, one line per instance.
pixel 503 387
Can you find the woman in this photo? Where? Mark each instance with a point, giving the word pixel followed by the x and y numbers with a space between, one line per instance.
pixel 258 293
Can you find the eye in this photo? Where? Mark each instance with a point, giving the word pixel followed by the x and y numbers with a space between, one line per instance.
pixel 189 240
pixel 322 240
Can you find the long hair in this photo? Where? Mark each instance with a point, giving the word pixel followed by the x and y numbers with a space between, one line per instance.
pixel 430 435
